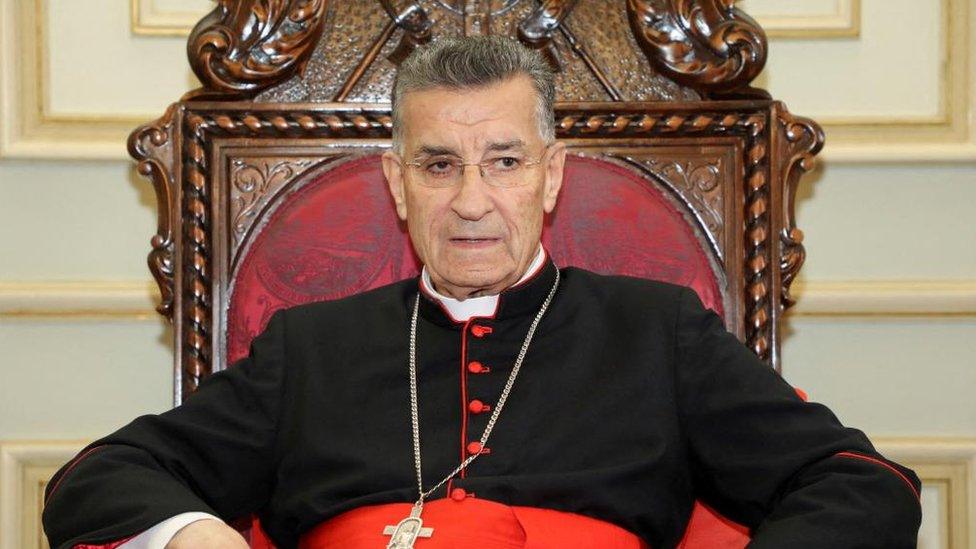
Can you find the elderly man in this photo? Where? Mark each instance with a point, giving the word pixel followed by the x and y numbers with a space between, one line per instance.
pixel 497 399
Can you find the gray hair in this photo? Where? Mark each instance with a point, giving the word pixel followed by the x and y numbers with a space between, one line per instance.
pixel 474 62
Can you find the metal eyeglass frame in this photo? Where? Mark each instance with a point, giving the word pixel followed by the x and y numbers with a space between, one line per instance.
pixel 481 168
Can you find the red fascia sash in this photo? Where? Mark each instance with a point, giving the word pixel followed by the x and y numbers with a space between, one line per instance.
pixel 471 522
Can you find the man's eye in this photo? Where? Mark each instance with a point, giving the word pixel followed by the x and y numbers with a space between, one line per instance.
pixel 439 167
pixel 506 163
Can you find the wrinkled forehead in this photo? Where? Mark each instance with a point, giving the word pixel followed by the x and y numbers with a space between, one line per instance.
pixel 472 119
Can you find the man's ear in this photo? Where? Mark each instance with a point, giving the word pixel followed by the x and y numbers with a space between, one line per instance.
pixel 393 170
pixel 554 176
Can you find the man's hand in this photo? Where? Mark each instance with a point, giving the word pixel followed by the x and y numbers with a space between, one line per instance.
pixel 207 533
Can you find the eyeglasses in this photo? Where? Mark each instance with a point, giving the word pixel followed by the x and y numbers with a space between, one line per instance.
pixel 498 171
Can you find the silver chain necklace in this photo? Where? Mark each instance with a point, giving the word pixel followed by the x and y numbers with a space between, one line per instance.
pixel 409 529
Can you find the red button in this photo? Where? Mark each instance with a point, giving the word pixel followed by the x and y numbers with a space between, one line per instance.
pixel 476 407
pixel 476 367
pixel 475 448
pixel 458 494
pixel 480 331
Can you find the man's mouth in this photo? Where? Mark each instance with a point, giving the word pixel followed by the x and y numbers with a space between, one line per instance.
pixel 474 240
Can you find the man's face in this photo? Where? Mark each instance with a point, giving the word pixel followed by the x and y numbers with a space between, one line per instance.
pixel 473 237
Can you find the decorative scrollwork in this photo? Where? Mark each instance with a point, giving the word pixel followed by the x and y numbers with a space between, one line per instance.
pixel 804 139
pixel 709 45
pixel 600 61
pixel 152 148
pixel 252 181
pixel 698 181
pixel 245 46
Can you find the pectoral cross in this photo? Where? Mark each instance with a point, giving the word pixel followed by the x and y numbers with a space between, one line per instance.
pixel 407 531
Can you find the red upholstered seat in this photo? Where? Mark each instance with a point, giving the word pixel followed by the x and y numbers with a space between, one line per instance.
pixel 335 233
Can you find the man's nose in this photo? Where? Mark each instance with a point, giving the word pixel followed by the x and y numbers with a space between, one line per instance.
pixel 472 201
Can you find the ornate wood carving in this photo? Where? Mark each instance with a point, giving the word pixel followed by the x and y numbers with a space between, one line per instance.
pixel 245 46
pixel 416 25
pixel 203 125
pixel 752 126
pixel 152 148
pixel 758 276
pixel 605 31
pixel 804 139
pixel 709 45
pixel 632 75
pixel 199 129
pixel 362 42
pixel 196 256
pixel 252 183
pixel 536 30
pixel 699 183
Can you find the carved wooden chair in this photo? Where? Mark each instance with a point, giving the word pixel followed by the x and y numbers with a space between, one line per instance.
pixel 270 191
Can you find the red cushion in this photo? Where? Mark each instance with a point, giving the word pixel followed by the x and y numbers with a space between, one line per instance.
pixel 611 220
pixel 338 235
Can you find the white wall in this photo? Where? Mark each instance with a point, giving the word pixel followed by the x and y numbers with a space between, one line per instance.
pixel 885 332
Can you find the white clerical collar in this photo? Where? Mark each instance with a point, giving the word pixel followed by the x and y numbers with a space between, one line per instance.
pixel 462 311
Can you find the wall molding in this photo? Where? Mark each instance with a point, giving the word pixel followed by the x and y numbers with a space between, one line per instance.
pixel 898 153
pixel 947 136
pixel 843 22
pixel 147 18
pixel 886 298
pixel 134 300
pixel 29 128
pixel 862 298
pixel 949 465
pixel 25 468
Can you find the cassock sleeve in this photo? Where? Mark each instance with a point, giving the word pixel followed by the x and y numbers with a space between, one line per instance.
pixel 783 467
pixel 215 454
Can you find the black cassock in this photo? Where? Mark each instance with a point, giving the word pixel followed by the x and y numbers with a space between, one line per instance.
pixel 632 402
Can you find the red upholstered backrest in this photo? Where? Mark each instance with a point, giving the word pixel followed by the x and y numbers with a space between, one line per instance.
pixel 336 234
pixel 611 220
